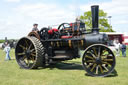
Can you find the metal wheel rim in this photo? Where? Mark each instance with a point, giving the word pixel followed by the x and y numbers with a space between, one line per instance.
pixel 26 53
pixel 91 64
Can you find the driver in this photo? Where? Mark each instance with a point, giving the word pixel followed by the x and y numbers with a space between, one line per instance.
pixel 35 27
pixel 76 26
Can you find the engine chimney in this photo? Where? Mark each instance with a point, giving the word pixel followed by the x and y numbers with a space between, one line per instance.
pixel 95 18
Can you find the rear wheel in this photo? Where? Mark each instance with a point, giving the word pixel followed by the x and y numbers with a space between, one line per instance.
pixel 98 60
pixel 29 53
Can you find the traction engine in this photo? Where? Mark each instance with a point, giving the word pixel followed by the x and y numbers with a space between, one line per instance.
pixel 42 48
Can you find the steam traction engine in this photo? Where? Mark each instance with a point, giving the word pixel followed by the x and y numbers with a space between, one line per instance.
pixel 48 45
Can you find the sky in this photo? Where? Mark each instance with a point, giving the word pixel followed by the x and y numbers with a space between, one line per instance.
pixel 18 16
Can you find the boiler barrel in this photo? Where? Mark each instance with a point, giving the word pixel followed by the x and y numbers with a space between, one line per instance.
pixel 81 42
pixel 96 39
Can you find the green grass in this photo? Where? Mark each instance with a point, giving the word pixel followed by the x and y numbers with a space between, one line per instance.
pixel 68 73
pixel 2 41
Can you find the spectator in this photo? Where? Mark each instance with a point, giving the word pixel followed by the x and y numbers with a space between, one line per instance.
pixel 117 47
pixel 35 27
pixel 7 51
pixel 123 49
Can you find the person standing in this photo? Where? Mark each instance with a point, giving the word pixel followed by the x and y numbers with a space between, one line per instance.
pixel 7 51
pixel 123 49
pixel 35 27
pixel 117 47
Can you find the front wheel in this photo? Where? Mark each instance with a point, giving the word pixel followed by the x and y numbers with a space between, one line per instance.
pixel 98 60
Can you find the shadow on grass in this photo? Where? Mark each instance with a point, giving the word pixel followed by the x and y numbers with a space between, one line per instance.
pixel 113 74
pixel 74 66
pixel 66 66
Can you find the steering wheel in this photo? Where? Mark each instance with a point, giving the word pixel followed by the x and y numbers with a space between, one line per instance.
pixel 63 26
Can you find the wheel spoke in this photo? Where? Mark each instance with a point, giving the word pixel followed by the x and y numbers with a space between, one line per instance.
pixel 24 57
pixel 22 47
pixel 21 53
pixel 97 69
pixel 93 67
pixel 30 46
pixel 105 67
pixel 90 64
pixel 101 69
pixel 99 51
pixel 27 61
pixel 93 55
pixel 32 50
pixel 89 57
pixel 90 61
pixel 95 52
pixel 103 57
pixel 33 54
pixel 106 63
pixel 107 59
pixel 26 43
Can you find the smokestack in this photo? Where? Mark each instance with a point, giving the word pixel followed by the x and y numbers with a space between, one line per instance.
pixel 95 18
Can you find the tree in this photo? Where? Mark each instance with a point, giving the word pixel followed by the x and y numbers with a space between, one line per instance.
pixel 103 21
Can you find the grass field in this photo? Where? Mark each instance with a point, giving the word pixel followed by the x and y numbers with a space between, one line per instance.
pixel 66 73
